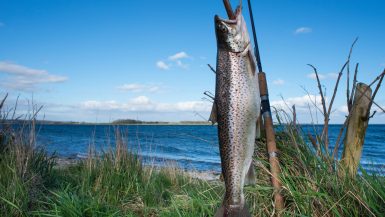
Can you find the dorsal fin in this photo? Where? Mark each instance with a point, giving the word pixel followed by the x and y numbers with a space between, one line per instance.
pixel 213 114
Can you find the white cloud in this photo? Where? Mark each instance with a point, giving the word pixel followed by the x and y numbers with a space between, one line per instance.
pixel 303 30
pixel 343 109
pixel 323 76
pixel 332 75
pixel 181 64
pixel 279 82
pixel 162 65
pixel 300 102
pixel 26 79
pixel 141 100
pixel 144 104
pixel 177 56
pixel 12 68
pixel 314 77
pixel 139 88
pixel 174 60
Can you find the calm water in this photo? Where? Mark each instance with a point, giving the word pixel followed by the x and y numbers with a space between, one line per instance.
pixel 192 147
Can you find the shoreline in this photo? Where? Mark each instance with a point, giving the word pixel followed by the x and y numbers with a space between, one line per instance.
pixel 65 162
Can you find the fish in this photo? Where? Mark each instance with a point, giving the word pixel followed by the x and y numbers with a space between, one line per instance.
pixel 236 108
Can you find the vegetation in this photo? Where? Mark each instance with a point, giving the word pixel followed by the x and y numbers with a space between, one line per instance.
pixel 117 184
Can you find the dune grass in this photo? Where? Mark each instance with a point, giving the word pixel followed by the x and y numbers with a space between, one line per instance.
pixel 117 184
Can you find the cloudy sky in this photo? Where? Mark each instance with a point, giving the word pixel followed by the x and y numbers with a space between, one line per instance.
pixel 104 60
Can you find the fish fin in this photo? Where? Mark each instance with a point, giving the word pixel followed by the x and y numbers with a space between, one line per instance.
pixel 258 128
pixel 221 178
pixel 213 115
pixel 234 211
pixel 220 212
pixel 252 61
pixel 250 178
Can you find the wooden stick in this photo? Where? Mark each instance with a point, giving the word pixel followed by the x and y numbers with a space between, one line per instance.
pixel 348 74
pixel 294 117
pixel 335 88
pixel 229 10
pixel 212 69
pixel 324 135
pixel 320 89
pixel 363 93
pixel 375 91
pixel 353 88
pixel 337 145
pixel 376 104
pixel 270 142
pixel 356 129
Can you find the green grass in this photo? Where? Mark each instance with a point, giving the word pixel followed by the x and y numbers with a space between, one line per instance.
pixel 117 184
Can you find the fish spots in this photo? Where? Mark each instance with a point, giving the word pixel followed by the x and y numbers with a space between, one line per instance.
pixel 236 92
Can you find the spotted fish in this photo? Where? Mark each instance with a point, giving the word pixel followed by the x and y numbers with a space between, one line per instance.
pixel 236 109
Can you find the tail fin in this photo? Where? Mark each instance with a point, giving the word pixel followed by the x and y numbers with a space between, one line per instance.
pixel 233 211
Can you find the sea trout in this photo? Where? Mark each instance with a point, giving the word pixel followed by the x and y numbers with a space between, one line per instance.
pixel 236 109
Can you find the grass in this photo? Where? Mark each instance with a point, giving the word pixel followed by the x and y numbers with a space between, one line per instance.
pixel 117 184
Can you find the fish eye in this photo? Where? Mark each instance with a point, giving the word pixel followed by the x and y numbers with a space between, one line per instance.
pixel 222 27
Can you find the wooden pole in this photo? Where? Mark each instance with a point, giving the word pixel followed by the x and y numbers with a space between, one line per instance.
pixel 229 10
pixel 356 129
pixel 266 114
pixel 270 142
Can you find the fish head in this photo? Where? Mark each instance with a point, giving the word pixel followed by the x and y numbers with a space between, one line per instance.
pixel 232 34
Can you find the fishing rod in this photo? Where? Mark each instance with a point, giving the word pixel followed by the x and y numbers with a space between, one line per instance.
pixel 256 48
pixel 268 121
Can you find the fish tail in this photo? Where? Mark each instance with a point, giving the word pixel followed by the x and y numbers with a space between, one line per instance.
pixel 233 211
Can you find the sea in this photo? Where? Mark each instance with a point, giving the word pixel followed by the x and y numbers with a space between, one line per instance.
pixel 191 147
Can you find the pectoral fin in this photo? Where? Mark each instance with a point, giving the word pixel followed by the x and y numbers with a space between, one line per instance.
pixel 258 128
pixel 213 115
pixel 252 61
pixel 250 178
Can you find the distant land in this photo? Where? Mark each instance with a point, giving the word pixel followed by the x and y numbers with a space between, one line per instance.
pixel 116 122
pixel 133 122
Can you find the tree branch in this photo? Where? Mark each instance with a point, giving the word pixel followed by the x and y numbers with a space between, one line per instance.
pixel 348 72
pixel 353 88
pixel 212 69
pixel 320 89
pixel 335 89
pixel 376 90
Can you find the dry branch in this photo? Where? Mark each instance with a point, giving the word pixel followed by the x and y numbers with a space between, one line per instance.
pixel 376 90
pixel 353 88
pixel 335 89
pixel 337 145
pixel 212 69
pixel 320 89
pixel 229 10
pixel 348 73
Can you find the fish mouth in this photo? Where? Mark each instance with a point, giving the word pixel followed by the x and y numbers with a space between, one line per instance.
pixel 227 21
pixel 238 12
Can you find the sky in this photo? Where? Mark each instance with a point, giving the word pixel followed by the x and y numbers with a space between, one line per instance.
pixel 102 60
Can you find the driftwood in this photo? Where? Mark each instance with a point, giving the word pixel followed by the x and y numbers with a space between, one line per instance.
pixel 356 129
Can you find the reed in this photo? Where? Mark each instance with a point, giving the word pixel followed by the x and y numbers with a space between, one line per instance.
pixel 116 183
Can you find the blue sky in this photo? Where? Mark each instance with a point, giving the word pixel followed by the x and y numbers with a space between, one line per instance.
pixel 105 60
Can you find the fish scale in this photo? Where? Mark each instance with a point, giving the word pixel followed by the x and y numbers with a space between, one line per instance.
pixel 237 107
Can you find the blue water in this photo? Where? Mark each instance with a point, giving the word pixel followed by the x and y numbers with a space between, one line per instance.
pixel 191 147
